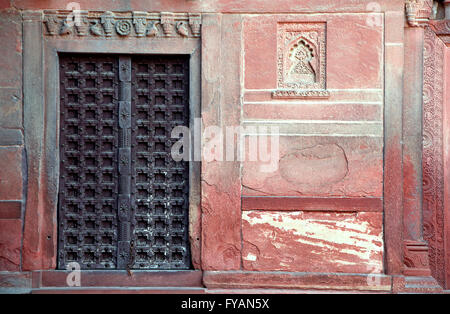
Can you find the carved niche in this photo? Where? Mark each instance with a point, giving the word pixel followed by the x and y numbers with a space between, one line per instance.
pixel 122 24
pixel 301 60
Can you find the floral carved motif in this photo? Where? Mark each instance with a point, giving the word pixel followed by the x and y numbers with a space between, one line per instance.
pixel 123 27
pixel 301 60
pixel 120 24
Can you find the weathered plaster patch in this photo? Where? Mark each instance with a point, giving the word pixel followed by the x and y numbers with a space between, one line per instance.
pixel 312 241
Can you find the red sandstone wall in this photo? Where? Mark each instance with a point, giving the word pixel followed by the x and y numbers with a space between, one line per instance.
pixel 330 148
pixel 337 141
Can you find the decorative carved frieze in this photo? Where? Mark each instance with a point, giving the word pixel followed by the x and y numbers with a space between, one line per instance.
pixel 120 24
pixel 301 60
pixel 418 12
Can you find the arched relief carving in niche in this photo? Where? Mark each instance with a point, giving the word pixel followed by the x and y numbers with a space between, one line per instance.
pixel 302 62
pixel 301 49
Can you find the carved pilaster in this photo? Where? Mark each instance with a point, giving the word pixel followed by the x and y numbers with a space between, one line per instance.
pixel 433 163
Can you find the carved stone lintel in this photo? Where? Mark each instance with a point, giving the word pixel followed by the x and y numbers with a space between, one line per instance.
pixel 416 262
pixel 113 24
pixel 418 12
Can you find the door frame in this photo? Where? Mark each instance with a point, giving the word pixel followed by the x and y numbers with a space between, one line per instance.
pixel 42 114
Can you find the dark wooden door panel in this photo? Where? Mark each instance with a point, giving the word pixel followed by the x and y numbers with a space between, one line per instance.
pixel 88 162
pixel 123 201
pixel 160 186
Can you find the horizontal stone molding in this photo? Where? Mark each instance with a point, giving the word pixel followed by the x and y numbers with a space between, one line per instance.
pixel 109 24
pixel 314 128
pixel 270 203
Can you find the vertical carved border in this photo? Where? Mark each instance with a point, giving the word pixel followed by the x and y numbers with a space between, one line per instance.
pixel 433 171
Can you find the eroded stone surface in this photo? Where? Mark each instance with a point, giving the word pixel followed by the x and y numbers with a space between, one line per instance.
pixel 313 242
pixel 320 166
